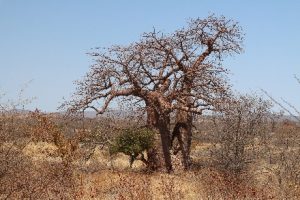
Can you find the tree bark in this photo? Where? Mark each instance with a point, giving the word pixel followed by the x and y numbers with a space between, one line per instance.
pixel 183 132
pixel 159 122
pixel 163 126
pixel 184 125
pixel 154 159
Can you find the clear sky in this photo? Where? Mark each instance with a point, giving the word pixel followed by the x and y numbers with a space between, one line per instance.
pixel 47 41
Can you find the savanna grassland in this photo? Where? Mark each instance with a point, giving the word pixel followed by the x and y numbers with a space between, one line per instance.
pixel 49 156
pixel 168 126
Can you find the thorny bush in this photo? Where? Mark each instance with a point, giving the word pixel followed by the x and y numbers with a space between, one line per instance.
pixel 133 142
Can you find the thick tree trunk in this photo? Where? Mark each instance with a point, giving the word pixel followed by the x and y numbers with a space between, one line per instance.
pixel 163 126
pixel 183 132
pixel 154 159
pixel 184 124
pixel 161 149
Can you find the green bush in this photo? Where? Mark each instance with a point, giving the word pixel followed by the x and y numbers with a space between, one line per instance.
pixel 133 142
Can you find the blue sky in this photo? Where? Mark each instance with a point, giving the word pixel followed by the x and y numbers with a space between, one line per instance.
pixel 47 41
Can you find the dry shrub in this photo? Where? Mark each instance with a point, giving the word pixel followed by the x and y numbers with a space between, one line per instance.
pixel 133 187
pixel 243 119
pixel 169 188
pixel 287 135
pixel 222 185
pixel 45 181
pixel 42 128
pixel 146 186
pixel 282 164
pixel 287 171
pixel 20 176
pixel 12 165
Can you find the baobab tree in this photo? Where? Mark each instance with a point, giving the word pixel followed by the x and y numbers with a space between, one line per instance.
pixel 197 52
pixel 216 38
pixel 178 72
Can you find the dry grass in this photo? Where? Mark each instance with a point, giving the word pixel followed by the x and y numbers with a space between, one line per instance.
pixel 100 180
pixel 53 166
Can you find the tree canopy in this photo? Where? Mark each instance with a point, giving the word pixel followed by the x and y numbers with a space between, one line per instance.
pixel 154 68
pixel 179 71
